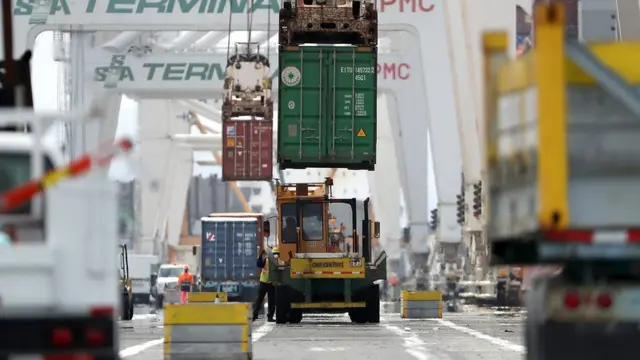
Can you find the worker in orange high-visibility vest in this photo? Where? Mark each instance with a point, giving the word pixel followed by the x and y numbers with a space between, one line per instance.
pixel 266 287
pixel 185 281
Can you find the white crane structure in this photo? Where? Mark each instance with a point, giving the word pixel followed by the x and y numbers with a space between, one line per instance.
pixel 165 57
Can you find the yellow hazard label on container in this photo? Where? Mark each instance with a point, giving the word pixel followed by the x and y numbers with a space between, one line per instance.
pixel 361 133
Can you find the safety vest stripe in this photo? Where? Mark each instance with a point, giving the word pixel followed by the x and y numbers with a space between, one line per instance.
pixel 327 272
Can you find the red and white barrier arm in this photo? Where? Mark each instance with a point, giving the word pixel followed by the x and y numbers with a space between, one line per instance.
pixel 22 194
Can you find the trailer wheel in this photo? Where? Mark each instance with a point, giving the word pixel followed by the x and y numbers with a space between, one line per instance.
pixel 283 303
pixel 127 307
pixel 358 316
pixel 373 304
pixel 131 310
pixel 295 316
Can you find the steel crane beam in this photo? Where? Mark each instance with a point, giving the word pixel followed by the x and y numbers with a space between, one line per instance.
pixel 211 39
pixel 121 42
pixel 604 76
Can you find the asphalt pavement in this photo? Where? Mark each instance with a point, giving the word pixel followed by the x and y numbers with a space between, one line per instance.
pixel 471 334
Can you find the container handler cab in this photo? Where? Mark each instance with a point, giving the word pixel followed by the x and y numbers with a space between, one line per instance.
pixel 247 85
pixel 352 22
pixel 126 310
pixel 311 274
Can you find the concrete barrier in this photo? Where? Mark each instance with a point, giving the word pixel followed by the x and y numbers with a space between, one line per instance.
pixel 171 296
pixel 421 304
pixel 207 297
pixel 207 331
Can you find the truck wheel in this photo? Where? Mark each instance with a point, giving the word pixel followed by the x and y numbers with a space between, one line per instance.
pixel 373 304
pixel 358 316
pixel 131 310
pixel 295 316
pixel 126 306
pixel 282 304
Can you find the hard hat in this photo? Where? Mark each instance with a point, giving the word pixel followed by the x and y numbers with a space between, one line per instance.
pixel 186 267
pixel 276 250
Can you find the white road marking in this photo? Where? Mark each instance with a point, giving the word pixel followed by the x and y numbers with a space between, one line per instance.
pixel 328 349
pixel 137 349
pixel 413 344
pixel 261 331
pixel 494 340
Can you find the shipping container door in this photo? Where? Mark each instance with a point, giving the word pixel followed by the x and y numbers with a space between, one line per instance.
pixel 229 250
pixel 247 150
pixel 301 105
pixel 261 150
pixel 243 241
pixel 234 154
pixel 215 264
pixel 351 106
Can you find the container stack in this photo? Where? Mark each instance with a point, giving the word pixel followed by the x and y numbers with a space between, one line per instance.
pixel 247 116
pixel 207 331
pixel 421 304
pixel 327 97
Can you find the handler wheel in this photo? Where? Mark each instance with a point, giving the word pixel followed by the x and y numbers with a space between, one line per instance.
pixel 283 303
pixel 358 316
pixel 373 304
pixel 127 307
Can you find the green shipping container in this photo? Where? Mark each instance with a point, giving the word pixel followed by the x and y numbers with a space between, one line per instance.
pixel 327 108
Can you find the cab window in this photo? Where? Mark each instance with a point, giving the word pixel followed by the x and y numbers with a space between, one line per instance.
pixel 288 215
pixel 169 272
pixel 312 218
pixel 15 170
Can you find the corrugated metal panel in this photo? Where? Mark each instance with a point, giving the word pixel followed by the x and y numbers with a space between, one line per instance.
pixel 229 249
pixel 327 108
pixel 247 153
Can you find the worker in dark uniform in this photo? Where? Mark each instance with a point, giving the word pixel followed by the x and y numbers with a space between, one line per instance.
pixel 266 287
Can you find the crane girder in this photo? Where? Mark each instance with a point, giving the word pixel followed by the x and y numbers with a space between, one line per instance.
pixel 157 124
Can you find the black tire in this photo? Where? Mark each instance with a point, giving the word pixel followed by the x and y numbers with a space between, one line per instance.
pixel 283 303
pixel 358 316
pixel 373 305
pixel 131 312
pixel 295 316
pixel 127 308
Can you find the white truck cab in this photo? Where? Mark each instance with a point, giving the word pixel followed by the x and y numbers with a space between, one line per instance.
pixel 167 283
pixel 140 269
